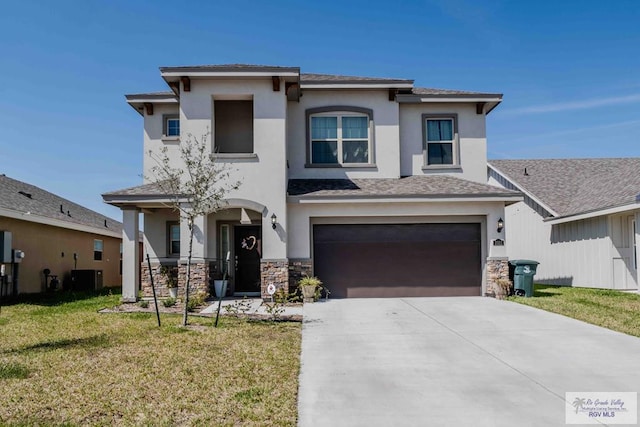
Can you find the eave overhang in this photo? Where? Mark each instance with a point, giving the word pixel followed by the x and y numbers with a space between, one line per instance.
pixel 485 103
pixel 141 101
pixel 419 198
pixel 593 213
pixel 27 216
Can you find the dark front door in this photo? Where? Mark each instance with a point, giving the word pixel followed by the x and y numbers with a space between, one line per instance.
pixel 398 260
pixel 248 251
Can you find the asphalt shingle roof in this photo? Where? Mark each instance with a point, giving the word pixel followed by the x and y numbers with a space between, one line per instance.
pixel 573 186
pixel 152 189
pixel 335 78
pixel 411 186
pixel 433 91
pixel 230 67
pixel 31 200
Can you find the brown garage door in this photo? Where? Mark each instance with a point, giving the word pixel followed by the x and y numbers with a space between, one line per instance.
pixel 398 260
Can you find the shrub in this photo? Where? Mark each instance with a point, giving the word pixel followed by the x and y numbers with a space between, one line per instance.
pixel 169 302
pixel 143 303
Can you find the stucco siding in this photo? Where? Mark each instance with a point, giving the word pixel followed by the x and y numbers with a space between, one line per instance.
pixel 472 140
pixel 385 136
pixel 51 247
pixel 153 141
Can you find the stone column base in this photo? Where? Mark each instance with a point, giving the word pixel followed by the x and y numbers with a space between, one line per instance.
pixel 498 278
pixel 199 281
pixel 298 269
pixel 199 278
pixel 274 271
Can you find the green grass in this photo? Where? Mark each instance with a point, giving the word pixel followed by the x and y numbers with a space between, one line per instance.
pixel 619 311
pixel 63 363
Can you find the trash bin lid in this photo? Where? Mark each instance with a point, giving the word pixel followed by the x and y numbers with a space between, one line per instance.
pixel 523 262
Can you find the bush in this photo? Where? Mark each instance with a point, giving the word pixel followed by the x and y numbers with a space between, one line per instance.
pixel 169 302
pixel 143 303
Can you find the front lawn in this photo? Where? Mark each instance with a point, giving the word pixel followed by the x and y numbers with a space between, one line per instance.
pixel 62 362
pixel 619 311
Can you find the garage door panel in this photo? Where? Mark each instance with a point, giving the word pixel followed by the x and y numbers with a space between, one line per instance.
pixel 405 260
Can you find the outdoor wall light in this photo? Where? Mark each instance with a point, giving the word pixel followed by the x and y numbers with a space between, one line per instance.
pixel 274 218
pixel 500 225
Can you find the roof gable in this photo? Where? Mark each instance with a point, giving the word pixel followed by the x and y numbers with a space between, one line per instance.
pixel 575 186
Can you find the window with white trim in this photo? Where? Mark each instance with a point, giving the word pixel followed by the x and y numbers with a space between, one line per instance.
pixel 97 250
pixel 340 138
pixel 173 238
pixel 170 126
pixel 440 140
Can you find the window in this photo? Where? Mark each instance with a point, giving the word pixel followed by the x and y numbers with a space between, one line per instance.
pixel 173 241
pixel 338 138
pixel 171 125
pixel 97 250
pixel 440 136
pixel 233 124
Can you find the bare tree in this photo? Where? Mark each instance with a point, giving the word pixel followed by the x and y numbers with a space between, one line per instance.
pixel 196 188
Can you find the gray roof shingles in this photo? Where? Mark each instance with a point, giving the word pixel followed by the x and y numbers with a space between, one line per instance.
pixel 335 78
pixel 26 198
pixel 411 186
pixel 574 186
pixel 152 189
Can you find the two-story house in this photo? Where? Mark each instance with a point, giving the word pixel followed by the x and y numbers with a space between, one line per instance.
pixel 376 186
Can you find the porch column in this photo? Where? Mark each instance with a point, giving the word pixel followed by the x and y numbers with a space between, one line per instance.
pixel 130 254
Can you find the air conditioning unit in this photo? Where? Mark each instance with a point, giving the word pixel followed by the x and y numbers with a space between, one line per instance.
pixel 86 280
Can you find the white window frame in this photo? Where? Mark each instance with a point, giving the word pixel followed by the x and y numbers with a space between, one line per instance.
pixel 455 149
pixel 170 239
pixel 170 119
pixel 339 139
pixel 98 243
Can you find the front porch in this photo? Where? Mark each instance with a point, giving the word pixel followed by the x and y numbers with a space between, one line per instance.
pixel 244 243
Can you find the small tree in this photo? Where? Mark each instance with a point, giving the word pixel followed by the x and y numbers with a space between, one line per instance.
pixel 196 189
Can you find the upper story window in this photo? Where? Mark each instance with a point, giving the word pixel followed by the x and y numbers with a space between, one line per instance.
pixel 171 125
pixel 97 250
pixel 233 126
pixel 440 140
pixel 339 137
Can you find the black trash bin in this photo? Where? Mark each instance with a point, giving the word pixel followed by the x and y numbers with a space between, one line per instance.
pixel 523 272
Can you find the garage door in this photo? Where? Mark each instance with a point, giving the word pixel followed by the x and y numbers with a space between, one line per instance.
pixel 398 260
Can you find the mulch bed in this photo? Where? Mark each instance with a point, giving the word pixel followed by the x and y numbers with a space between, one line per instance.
pixel 178 309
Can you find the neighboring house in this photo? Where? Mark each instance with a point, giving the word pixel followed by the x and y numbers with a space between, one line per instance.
pixel 374 185
pixel 58 235
pixel 579 219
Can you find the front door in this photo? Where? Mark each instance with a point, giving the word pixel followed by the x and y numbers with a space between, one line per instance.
pixel 248 251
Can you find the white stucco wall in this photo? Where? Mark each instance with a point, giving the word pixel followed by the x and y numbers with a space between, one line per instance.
pixel 155 232
pixel 472 140
pixel 386 143
pixel 153 141
pixel 263 176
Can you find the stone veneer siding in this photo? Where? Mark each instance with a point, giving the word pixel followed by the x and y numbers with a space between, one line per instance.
pixel 497 268
pixel 299 268
pixel 274 271
pixel 199 279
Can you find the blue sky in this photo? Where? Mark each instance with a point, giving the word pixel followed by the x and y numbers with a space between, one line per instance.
pixel 569 71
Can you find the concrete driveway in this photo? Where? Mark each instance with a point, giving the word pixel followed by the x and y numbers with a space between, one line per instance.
pixel 452 362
